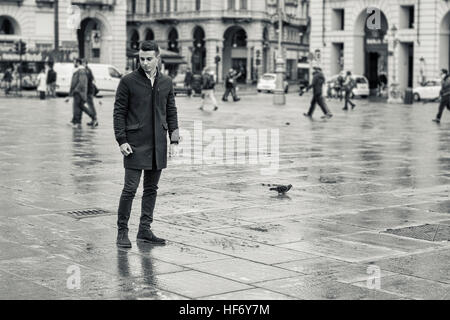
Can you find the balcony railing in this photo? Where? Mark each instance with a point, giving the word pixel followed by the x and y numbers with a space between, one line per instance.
pixel 101 4
pixel 18 2
pixel 228 15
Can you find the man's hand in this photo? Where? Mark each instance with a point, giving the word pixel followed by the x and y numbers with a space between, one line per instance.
pixel 66 100
pixel 173 150
pixel 126 149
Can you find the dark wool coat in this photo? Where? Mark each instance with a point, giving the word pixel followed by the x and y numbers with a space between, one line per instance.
pixel 143 116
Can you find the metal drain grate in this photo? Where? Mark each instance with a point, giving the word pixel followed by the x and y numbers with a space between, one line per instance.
pixel 428 232
pixel 87 213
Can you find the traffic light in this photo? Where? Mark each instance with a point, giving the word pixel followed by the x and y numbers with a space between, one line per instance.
pixel 21 47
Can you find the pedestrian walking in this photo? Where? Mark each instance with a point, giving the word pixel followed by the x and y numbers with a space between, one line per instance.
pixel 144 112
pixel 51 81
pixel 7 78
pixel 444 94
pixel 317 86
pixel 42 83
pixel 230 85
pixel 78 90
pixel 340 85
pixel 208 84
pixel 91 90
pixel 188 81
pixel 349 84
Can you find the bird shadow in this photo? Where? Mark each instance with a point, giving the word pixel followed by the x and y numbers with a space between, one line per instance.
pixel 281 197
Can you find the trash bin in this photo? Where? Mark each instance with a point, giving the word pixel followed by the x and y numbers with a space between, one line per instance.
pixel 409 98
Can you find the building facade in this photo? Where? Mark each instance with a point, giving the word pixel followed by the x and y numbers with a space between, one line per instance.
pixel 406 40
pixel 222 34
pixel 90 29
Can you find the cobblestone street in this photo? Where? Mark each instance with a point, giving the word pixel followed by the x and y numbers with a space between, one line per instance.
pixel 355 177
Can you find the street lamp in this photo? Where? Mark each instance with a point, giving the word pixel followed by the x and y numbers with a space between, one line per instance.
pixel 279 98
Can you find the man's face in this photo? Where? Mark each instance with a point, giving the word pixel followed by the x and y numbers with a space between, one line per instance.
pixel 148 60
pixel 443 75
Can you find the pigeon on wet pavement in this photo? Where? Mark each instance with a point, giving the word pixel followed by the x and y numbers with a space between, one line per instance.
pixel 281 189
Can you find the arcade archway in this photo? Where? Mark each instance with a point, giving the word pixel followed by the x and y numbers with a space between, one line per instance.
pixel 198 59
pixel 370 57
pixel 9 26
pixel 444 50
pixel 235 51
pixel 91 44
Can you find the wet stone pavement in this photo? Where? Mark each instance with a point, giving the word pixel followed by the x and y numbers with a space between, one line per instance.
pixel 354 177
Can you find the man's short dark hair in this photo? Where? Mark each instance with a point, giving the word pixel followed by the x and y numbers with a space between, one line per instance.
pixel 150 45
pixel 78 60
pixel 444 71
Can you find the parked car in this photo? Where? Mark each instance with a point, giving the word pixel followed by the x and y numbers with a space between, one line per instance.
pixel 362 86
pixel 429 90
pixel 268 83
pixel 107 77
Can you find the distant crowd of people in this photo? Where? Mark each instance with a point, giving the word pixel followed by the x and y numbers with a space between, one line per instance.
pixel 45 82
pixel 205 83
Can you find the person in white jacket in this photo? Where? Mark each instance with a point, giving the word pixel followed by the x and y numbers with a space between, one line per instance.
pixel 42 83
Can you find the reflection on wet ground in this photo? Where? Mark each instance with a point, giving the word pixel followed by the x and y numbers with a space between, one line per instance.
pixel 375 168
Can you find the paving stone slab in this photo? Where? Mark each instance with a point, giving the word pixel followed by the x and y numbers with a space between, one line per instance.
pixel 242 270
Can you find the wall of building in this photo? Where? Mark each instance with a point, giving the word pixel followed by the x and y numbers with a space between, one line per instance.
pixel 215 18
pixel 430 35
pixel 36 27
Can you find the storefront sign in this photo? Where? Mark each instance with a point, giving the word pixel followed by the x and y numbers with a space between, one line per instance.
pixel 37 56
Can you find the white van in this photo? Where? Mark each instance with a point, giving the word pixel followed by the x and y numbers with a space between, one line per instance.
pixel 106 77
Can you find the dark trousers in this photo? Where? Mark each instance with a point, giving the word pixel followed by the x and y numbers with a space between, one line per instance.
pixel 229 90
pixel 132 179
pixel 445 102
pixel 321 102
pixel 90 103
pixel 347 99
pixel 78 108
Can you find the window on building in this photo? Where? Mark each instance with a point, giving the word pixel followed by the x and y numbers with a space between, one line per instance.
pixel 147 6
pixel 407 17
pixel 244 4
pixel 175 5
pixel 154 5
pixel 161 5
pixel 231 4
pixel 133 6
pixel 168 6
pixel 197 5
pixel 338 19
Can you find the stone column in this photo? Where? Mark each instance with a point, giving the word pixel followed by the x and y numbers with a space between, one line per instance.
pixel 249 63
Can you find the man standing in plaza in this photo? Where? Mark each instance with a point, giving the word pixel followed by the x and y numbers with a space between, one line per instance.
pixel 144 112
pixel 317 86
pixel 445 95
pixel 349 84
